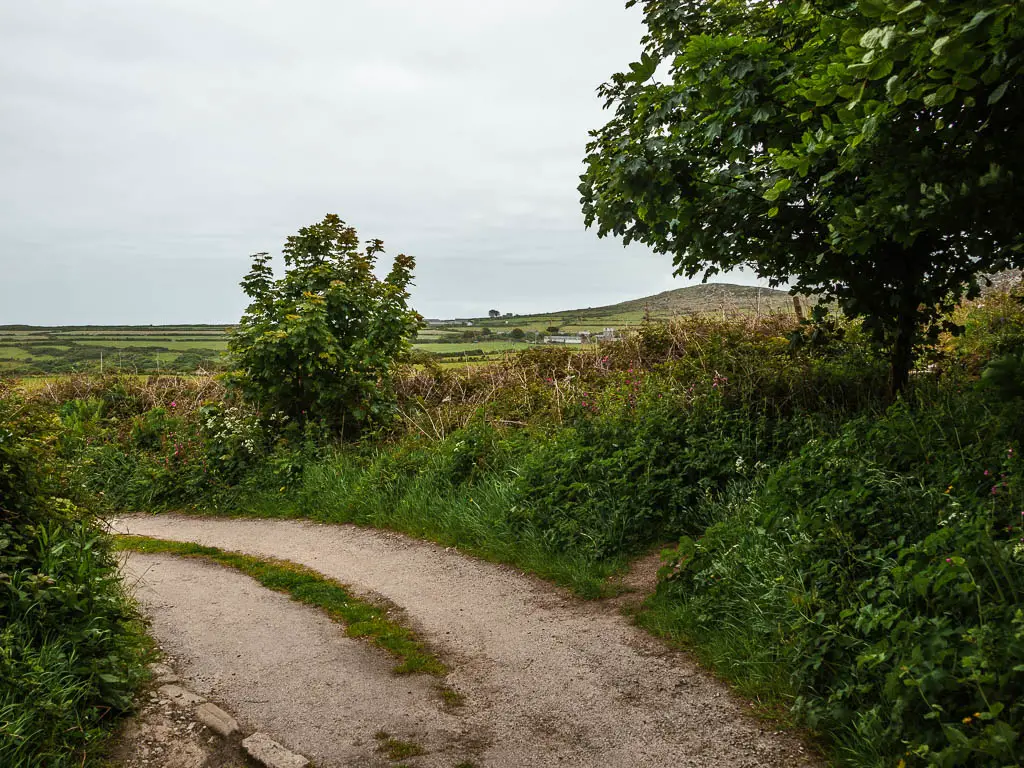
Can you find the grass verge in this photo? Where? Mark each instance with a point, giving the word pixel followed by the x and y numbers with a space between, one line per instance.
pixel 397 749
pixel 361 618
pixel 474 517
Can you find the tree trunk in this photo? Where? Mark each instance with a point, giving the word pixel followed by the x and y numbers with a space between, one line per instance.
pixel 902 351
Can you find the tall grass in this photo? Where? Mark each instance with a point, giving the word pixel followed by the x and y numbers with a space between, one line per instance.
pixel 342 486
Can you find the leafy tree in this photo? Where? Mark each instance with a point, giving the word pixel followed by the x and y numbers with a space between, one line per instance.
pixel 868 152
pixel 553 329
pixel 494 313
pixel 518 334
pixel 321 342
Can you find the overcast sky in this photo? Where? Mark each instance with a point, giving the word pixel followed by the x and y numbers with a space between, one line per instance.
pixel 146 148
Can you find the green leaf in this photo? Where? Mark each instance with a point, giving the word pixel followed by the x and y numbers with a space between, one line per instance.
pixel 780 186
pixel 644 69
pixel 940 44
pixel 943 95
pixel 872 8
pixel 956 738
pixel 851 36
pixel 880 69
pixel 998 93
pixel 994 711
pixel 978 19
pixel 872 37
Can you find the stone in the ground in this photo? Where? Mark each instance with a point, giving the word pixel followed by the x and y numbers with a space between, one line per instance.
pixel 267 752
pixel 217 720
pixel 162 673
pixel 180 697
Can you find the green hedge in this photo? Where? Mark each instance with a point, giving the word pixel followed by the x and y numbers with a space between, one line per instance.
pixel 71 653
pixel 876 581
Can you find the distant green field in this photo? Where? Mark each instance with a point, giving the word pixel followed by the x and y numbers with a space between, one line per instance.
pixel 216 344
pixel 14 353
pixel 38 351
pixel 467 346
pixel 151 349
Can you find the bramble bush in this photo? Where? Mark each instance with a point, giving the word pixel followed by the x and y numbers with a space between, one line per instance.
pixel 644 455
pixel 635 470
pixel 172 457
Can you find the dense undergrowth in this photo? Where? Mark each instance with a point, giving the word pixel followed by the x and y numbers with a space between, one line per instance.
pixel 854 561
pixel 71 652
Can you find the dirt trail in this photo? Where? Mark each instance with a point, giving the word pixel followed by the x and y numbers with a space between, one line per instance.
pixel 548 679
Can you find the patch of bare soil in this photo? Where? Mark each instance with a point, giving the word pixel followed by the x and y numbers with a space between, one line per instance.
pixel 547 679
pixel 162 735
pixel 637 583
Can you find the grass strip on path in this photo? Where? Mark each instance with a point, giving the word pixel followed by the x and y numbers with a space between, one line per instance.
pixel 360 618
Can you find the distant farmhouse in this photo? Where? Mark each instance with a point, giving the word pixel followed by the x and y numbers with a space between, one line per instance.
pixel 564 339
pixel 608 334
pixel 447 323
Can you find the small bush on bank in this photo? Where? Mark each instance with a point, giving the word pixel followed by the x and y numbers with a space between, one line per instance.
pixel 320 343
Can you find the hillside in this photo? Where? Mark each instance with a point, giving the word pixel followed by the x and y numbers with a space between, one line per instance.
pixel 708 298
pixel 691 300
pixel 698 299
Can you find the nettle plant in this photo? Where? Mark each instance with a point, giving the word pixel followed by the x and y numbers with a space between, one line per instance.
pixel 320 344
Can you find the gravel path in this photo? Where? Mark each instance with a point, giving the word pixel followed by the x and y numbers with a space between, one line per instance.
pixel 548 679
pixel 285 669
